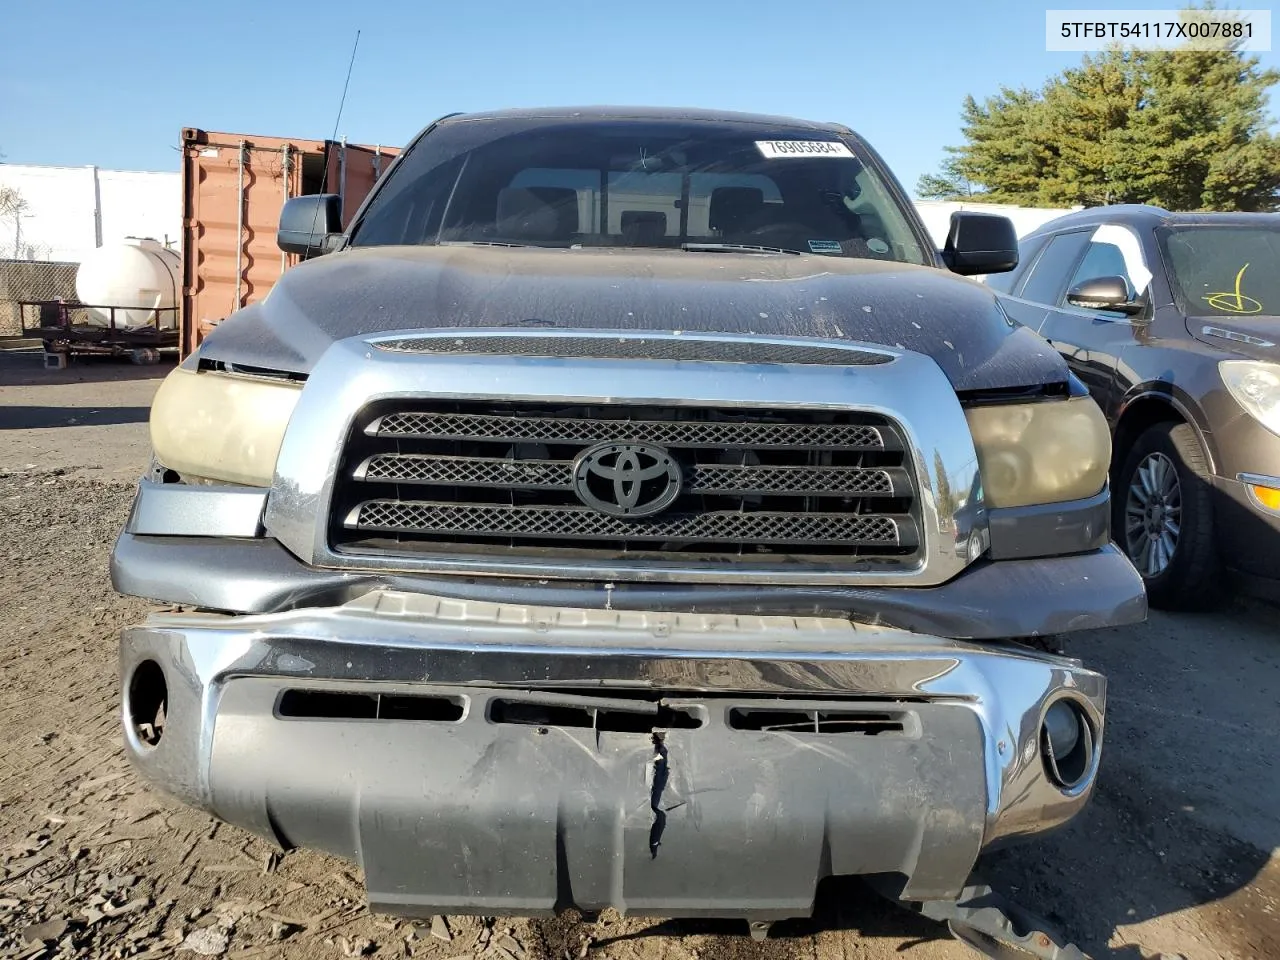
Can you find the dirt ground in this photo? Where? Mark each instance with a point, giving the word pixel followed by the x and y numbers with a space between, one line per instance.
pixel 1175 856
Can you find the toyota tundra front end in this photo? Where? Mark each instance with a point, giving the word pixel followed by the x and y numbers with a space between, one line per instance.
pixel 629 510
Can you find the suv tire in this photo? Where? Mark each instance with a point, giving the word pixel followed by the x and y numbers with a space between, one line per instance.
pixel 1162 518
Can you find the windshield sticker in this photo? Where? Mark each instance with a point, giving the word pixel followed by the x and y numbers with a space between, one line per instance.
pixel 825 246
pixel 1130 250
pixel 778 149
pixel 1233 301
pixel 876 245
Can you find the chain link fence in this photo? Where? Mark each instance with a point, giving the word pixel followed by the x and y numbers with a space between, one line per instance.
pixel 26 251
pixel 31 280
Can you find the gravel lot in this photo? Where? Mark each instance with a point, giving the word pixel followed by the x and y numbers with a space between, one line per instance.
pixel 1176 855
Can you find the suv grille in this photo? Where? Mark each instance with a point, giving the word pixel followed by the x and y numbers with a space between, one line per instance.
pixel 498 478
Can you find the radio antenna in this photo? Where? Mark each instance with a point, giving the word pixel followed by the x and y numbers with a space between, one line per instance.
pixel 343 102
pixel 315 217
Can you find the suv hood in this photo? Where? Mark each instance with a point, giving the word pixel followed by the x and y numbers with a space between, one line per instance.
pixel 384 289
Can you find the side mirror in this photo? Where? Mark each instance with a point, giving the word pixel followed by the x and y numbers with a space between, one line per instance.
pixel 310 225
pixel 980 243
pixel 1104 293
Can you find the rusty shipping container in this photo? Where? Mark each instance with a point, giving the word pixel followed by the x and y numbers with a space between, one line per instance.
pixel 233 186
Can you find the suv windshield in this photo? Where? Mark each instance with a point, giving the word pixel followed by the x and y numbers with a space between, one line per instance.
pixel 1224 271
pixel 631 183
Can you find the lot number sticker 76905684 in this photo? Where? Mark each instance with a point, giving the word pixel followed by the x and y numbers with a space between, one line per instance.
pixel 778 149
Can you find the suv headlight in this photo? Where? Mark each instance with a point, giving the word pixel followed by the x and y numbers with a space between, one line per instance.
pixel 1256 387
pixel 221 426
pixel 1047 452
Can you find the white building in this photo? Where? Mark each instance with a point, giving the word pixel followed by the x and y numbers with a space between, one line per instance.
pixel 67 211
pixel 936 215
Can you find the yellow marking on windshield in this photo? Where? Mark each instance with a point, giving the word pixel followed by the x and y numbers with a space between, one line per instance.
pixel 1234 302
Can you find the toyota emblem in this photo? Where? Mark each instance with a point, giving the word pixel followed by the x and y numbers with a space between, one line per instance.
pixel 626 479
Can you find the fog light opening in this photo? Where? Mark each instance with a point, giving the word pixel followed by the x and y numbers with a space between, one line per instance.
pixel 1067 744
pixel 147 702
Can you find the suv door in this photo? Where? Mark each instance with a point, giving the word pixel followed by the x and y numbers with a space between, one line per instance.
pixel 1092 340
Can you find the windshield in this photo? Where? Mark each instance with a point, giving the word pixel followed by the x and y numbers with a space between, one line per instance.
pixel 692 186
pixel 1226 271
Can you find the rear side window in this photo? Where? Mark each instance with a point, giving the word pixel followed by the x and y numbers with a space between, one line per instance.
pixel 1001 282
pixel 1005 282
pixel 1049 274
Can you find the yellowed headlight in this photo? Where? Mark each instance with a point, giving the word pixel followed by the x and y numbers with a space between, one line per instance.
pixel 220 426
pixel 1046 452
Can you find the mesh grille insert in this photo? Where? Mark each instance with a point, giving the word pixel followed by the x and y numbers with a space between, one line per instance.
pixel 504 479
pixel 558 475
pixel 720 527
pixel 696 433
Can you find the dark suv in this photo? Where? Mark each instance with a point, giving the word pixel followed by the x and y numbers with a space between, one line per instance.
pixel 1171 320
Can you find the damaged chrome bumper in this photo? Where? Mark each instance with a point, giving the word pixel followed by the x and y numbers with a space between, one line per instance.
pixel 494 758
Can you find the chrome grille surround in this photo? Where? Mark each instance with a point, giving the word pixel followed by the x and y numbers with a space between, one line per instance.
pixel 908 389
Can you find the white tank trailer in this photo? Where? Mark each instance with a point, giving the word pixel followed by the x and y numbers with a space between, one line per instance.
pixel 135 276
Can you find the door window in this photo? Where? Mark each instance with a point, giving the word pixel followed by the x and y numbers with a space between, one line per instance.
pixel 1102 259
pixel 1049 274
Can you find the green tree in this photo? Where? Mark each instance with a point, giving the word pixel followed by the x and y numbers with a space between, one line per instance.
pixel 1000 163
pixel 948 184
pixel 1186 130
pixel 1206 124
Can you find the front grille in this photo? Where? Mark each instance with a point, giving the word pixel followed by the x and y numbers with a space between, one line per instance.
pixel 503 479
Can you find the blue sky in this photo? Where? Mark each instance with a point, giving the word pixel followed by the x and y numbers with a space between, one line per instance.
pixel 112 83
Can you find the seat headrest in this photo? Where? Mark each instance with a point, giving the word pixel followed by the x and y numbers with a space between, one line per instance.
pixel 643 226
pixel 733 206
pixel 537 213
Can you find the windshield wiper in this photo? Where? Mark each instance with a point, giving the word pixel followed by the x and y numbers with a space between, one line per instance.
pixel 735 248
pixel 481 243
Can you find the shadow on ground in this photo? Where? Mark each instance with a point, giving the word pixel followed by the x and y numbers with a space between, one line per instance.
pixel 26 368
pixel 843 904
pixel 33 418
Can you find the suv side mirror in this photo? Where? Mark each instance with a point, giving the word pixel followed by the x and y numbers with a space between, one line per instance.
pixel 980 243
pixel 310 225
pixel 1104 293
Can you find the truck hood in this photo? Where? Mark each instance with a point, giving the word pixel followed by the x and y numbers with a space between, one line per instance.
pixel 383 289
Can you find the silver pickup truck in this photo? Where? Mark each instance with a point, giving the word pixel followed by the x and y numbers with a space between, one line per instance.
pixel 631 509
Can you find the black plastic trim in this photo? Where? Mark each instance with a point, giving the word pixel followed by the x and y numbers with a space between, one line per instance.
pixel 1051 529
